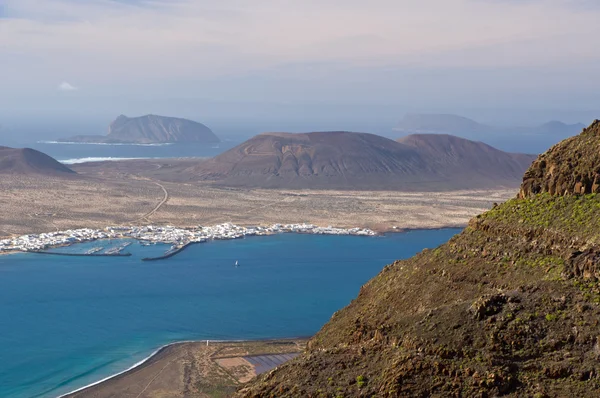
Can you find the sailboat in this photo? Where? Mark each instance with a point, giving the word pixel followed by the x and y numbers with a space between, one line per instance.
pixel 236 263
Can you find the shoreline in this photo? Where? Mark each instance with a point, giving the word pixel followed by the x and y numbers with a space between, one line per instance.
pixel 164 351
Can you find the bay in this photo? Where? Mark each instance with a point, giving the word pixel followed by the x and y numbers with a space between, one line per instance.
pixel 66 322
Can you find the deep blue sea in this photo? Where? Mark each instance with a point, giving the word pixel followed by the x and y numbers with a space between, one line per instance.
pixel 66 322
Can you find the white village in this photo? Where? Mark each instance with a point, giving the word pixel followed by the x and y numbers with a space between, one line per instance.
pixel 178 237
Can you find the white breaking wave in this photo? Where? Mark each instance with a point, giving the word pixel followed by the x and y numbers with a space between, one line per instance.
pixel 117 374
pixel 103 143
pixel 87 160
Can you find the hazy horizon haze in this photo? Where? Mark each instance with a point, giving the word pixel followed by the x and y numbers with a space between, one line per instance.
pixel 243 67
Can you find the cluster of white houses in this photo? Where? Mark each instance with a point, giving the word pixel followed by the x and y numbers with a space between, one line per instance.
pixel 164 234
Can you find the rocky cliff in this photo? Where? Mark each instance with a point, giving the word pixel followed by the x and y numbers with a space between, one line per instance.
pixel 571 167
pixel 509 307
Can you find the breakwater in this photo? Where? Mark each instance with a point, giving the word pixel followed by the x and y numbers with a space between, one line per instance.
pixel 170 253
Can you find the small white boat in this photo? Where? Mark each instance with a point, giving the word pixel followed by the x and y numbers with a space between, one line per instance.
pixel 236 263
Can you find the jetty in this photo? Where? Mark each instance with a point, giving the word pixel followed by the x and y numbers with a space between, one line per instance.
pixel 118 249
pixel 171 252
pixel 94 250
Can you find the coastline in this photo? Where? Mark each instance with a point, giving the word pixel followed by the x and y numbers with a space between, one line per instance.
pixel 164 353
pixel 378 233
pixel 156 355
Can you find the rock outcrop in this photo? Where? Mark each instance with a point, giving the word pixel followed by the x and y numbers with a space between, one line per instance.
pixel 151 129
pixel 570 167
pixel 509 307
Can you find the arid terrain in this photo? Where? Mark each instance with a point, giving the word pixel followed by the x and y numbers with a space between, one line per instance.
pixel 111 197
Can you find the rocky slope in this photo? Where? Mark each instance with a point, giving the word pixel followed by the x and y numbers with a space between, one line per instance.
pixel 509 307
pixel 28 161
pixel 344 160
pixel 151 129
pixel 572 167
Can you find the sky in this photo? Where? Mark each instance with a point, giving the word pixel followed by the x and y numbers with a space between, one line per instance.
pixel 488 59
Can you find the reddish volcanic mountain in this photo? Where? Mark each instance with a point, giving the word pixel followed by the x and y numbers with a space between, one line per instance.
pixel 469 159
pixel 345 160
pixel 28 161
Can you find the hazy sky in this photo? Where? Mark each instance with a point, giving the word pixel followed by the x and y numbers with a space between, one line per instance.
pixel 412 54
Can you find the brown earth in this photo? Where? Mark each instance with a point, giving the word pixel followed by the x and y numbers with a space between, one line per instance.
pixel 344 160
pixel 509 307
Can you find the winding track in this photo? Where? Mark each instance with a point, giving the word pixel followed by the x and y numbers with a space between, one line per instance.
pixel 159 205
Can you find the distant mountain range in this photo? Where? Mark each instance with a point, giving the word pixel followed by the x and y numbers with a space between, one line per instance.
pixel 345 160
pixel 329 160
pixel 151 129
pixel 26 161
pixel 454 124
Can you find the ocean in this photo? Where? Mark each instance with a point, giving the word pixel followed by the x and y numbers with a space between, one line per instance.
pixel 67 322
pixel 71 153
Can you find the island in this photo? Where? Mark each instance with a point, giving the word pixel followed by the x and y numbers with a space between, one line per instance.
pixel 150 129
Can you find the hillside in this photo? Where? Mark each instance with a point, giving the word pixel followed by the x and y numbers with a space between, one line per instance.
pixel 151 129
pixel 345 160
pixel 509 307
pixel 30 162
pixel 462 157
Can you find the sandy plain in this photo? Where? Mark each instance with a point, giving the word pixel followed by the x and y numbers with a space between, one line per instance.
pixel 99 198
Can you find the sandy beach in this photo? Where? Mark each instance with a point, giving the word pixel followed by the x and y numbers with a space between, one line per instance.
pixel 193 369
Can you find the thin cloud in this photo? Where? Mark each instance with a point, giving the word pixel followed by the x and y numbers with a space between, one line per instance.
pixel 66 86
pixel 130 46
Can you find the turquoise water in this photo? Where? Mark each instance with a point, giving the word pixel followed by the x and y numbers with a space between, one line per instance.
pixel 66 322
